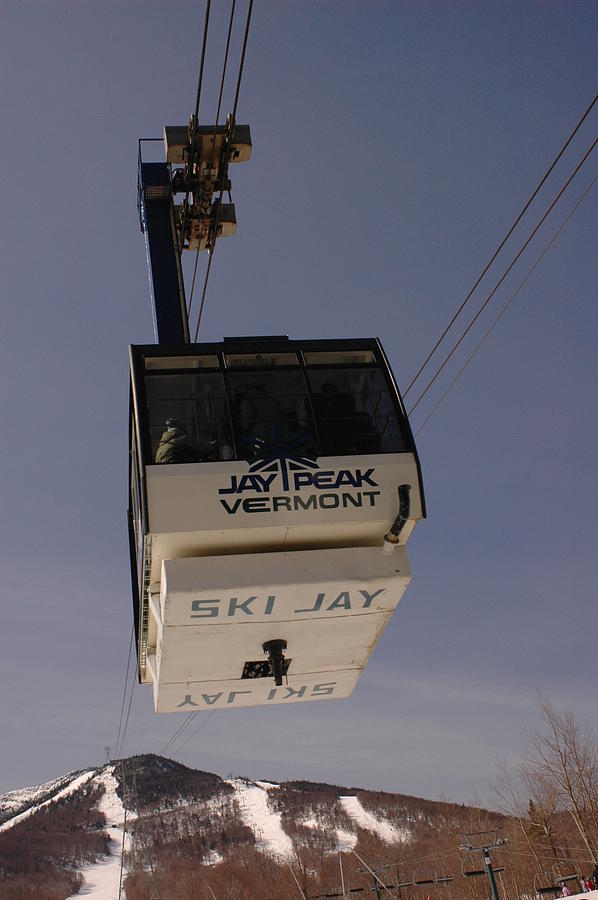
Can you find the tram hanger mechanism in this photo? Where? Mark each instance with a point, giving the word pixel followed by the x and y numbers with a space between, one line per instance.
pixel 274 483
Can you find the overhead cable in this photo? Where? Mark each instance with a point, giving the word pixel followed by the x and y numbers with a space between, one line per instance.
pixel 501 245
pixel 122 706
pixel 203 59
pixel 222 78
pixel 178 732
pixel 195 118
pixel 119 751
pixel 503 276
pixel 197 730
pixel 507 304
pixel 233 120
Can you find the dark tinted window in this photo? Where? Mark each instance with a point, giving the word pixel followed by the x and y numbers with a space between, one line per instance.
pixel 271 414
pixel 354 411
pixel 197 416
pixel 188 418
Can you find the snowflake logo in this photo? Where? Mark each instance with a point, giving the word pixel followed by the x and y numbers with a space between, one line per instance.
pixel 283 455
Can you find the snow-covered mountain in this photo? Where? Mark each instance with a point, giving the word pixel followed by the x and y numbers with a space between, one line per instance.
pixel 155 827
pixel 146 786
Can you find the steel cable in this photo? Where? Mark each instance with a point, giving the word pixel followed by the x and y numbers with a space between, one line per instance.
pixel 501 245
pixel 504 275
pixel 197 730
pixel 219 201
pixel 122 707
pixel 194 120
pixel 126 725
pixel 224 66
pixel 507 304
pixel 178 732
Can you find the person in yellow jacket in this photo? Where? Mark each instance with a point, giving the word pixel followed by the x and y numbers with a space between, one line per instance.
pixel 177 447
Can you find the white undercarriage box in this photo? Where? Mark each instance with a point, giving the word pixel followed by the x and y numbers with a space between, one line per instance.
pixel 214 613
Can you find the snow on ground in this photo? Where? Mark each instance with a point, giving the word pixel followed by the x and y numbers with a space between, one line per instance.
pixel 585 896
pixel 383 828
pixel 256 813
pixel 70 788
pixel 14 801
pixel 345 840
pixel 102 878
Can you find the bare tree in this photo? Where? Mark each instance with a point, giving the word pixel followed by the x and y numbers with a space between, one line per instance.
pixel 564 762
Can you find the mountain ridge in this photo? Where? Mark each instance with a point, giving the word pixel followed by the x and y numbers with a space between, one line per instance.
pixel 164 827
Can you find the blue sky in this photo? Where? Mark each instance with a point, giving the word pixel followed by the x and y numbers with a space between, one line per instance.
pixel 393 146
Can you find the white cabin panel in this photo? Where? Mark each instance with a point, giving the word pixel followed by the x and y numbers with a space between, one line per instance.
pixel 213 496
pixel 257 692
pixel 213 652
pixel 273 587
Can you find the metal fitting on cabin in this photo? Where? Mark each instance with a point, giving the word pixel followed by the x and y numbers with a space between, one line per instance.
pixel 275 650
pixel 391 538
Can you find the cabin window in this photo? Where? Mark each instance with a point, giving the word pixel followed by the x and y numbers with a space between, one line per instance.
pixel 196 414
pixel 188 417
pixel 181 362
pixel 338 357
pixel 271 414
pixel 259 360
pixel 354 411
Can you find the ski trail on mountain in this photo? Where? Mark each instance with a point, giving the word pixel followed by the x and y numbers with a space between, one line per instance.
pixel 69 789
pixel 102 878
pixel 383 828
pixel 257 815
pixel 345 840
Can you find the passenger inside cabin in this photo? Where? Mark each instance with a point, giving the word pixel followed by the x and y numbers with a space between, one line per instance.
pixel 342 429
pixel 177 447
pixel 260 418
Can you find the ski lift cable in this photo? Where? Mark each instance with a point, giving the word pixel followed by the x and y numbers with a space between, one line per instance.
pixel 548 850
pixel 197 730
pixel 222 78
pixel 547 859
pixel 547 855
pixel 178 732
pixel 372 873
pixel 183 727
pixel 202 63
pixel 440 854
pixel 126 725
pixel 503 276
pixel 122 706
pixel 501 245
pixel 508 303
pixel 219 200
pixel 194 120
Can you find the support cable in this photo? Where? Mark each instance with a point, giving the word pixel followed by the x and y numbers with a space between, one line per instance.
pixel 230 28
pixel 301 891
pixel 124 731
pixel 503 276
pixel 122 707
pixel 195 119
pixel 178 732
pixel 507 304
pixel 233 119
pixel 372 873
pixel 501 245
pixel 203 59
pixel 122 849
pixel 197 730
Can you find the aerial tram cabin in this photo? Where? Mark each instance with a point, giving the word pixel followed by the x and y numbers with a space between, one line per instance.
pixel 264 476
pixel 274 483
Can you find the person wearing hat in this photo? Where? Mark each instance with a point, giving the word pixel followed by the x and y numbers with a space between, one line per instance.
pixel 177 447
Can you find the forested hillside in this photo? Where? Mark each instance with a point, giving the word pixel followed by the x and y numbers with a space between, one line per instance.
pixel 192 835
